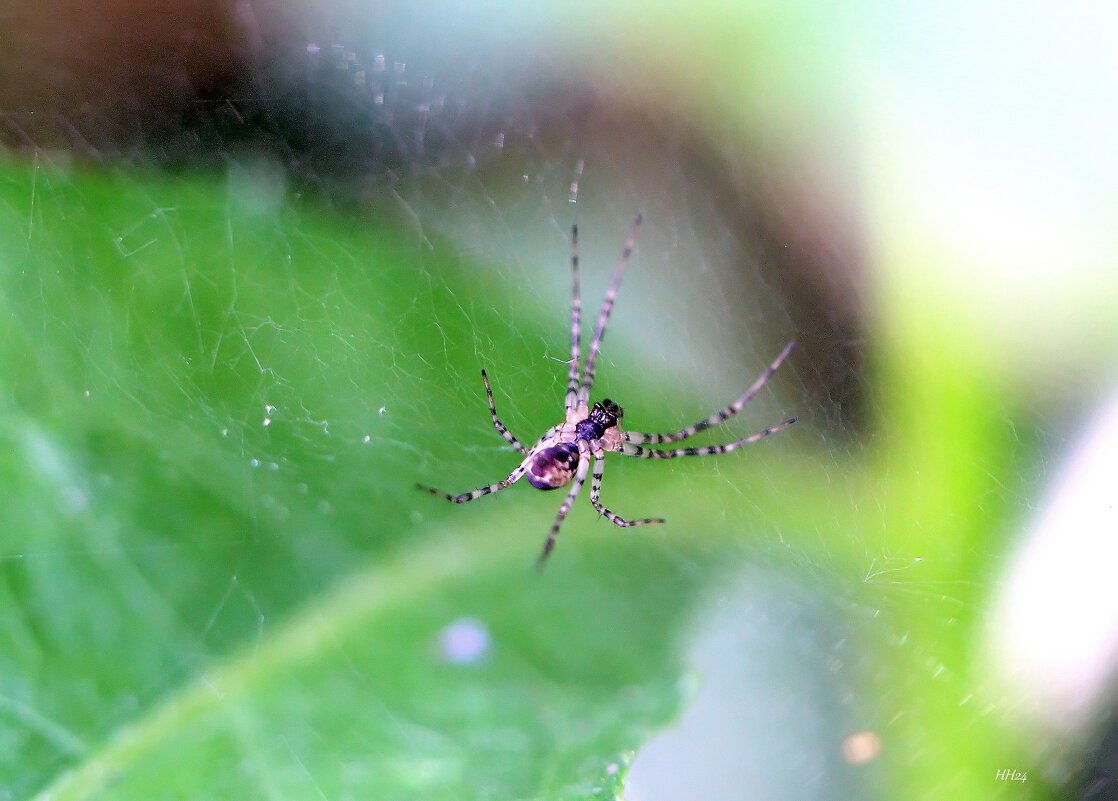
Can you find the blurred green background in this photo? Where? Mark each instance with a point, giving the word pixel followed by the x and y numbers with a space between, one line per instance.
pixel 253 257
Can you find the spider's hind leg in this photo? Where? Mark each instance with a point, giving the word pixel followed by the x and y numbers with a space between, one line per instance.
pixel 613 517
pixel 564 510
pixel 497 424
pixel 480 492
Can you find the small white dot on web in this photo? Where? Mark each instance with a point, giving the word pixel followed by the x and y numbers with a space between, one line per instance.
pixel 366 439
pixel 267 422
pixel 382 410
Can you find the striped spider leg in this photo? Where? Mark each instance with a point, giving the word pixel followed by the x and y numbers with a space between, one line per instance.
pixel 565 453
pixel 632 438
pixel 497 424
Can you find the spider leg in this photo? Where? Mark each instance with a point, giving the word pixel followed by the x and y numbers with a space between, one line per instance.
pixel 603 315
pixel 497 424
pixel 466 497
pixel 595 491
pixel 564 510
pixel 719 417
pixel 651 453
pixel 576 325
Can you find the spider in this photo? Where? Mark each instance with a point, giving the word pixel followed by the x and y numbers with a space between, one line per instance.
pixel 565 452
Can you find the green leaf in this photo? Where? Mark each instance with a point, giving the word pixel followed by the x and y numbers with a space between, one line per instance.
pixel 217 578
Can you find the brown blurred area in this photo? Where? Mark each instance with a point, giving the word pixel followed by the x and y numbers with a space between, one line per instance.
pixel 108 79
pixel 175 85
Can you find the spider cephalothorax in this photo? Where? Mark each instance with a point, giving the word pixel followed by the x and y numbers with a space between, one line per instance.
pixel 566 451
pixel 603 416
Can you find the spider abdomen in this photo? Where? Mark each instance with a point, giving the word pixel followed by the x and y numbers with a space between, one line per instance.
pixel 553 467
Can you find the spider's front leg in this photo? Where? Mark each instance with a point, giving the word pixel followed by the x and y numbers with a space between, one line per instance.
pixel 595 493
pixel 628 449
pixel 587 383
pixel 719 417
pixel 574 369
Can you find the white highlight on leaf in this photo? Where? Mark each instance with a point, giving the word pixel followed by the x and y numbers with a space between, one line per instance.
pixel 465 641
pixel 861 747
pixel 1054 630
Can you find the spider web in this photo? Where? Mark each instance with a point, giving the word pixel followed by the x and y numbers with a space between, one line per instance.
pixel 484 165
